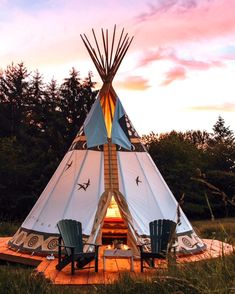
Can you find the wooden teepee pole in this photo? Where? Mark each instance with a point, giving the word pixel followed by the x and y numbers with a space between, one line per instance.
pixel 107 59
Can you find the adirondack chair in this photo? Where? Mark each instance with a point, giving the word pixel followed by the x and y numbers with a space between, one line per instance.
pixel 71 235
pixel 161 237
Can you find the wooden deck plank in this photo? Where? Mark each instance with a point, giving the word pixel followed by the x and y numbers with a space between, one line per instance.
pixel 4 241
pixel 5 249
pixel 63 277
pixel 115 267
pixel 80 277
pixel 19 259
pixel 96 278
pixel 50 271
pixel 10 255
pixel 43 265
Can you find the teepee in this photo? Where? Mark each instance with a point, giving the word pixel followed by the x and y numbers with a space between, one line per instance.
pixel 105 162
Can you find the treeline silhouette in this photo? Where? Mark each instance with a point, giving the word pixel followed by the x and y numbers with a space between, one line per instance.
pixel 39 120
pixel 199 168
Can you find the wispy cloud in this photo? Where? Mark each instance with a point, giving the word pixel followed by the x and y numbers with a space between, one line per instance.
pixel 170 54
pixel 160 53
pixel 225 107
pixel 164 6
pixel 134 83
pixel 179 65
pixel 177 73
pixel 200 65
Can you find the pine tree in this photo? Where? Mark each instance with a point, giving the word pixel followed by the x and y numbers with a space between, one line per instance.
pixel 222 147
pixel 76 101
pixel 14 90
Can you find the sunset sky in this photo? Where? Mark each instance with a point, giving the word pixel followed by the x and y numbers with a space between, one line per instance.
pixel 179 73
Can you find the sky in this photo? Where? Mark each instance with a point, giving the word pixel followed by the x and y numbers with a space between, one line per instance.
pixel 178 74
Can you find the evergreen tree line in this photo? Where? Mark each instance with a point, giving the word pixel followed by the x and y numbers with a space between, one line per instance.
pixel 199 168
pixel 39 120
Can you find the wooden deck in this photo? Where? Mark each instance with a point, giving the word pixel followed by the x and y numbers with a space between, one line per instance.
pixel 17 257
pixel 115 267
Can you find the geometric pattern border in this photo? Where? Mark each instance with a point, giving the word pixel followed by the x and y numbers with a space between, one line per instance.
pixel 186 243
pixel 35 242
pixel 41 243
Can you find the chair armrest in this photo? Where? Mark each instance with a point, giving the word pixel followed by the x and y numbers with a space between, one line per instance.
pixel 96 245
pixel 141 245
pixel 59 245
pixel 174 245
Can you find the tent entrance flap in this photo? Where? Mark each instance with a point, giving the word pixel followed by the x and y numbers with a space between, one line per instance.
pixel 113 202
pixel 114 227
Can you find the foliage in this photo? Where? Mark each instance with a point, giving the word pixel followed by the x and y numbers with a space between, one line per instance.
pixel 38 122
pixel 198 164
pixel 8 228
pixel 221 147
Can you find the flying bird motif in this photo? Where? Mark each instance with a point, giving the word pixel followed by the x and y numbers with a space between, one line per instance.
pixel 87 184
pixel 81 186
pixel 137 180
pixel 68 165
pixel 84 186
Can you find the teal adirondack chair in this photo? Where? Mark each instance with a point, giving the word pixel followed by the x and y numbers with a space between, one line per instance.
pixel 161 236
pixel 71 235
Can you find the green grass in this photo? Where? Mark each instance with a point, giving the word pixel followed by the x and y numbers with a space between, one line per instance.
pixel 207 277
pixel 8 228
pixel 219 229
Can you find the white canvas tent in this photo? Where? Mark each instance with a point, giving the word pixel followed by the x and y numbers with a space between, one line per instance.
pixel 105 160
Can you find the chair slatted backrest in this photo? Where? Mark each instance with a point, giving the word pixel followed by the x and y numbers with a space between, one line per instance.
pixel 71 233
pixel 161 233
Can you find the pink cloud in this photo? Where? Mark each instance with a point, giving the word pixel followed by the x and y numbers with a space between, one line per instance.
pixel 229 56
pixel 159 54
pixel 186 21
pixel 134 83
pixel 199 65
pixel 170 54
pixel 177 73
pixel 165 6
pixel 225 107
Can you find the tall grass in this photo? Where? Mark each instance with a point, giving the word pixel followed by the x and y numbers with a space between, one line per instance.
pixel 219 229
pixel 206 277
pixel 14 280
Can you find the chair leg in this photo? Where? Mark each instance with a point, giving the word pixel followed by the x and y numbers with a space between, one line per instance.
pixel 153 262
pixel 64 261
pixel 141 264
pixel 96 264
pixel 72 262
pixel 59 250
pixel 96 258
